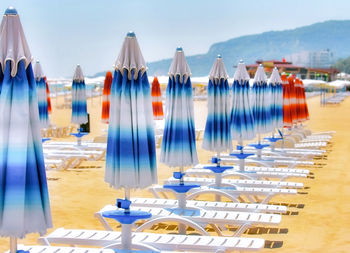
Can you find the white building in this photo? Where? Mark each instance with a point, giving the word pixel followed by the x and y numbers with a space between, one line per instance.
pixel 312 59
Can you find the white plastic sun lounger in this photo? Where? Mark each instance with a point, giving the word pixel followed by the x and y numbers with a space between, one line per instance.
pixel 192 243
pixel 65 162
pixel 56 249
pixel 210 205
pixel 237 182
pixel 316 144
pixel 198 218
pixel 235 194
pixel 93 154
pixel 266 161
pixel 288 150
pixel 252 169
pixel 253 175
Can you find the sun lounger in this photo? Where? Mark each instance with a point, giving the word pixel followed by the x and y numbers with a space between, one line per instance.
pixel 253 169
pixel 247 174
pixel 237 182
pixel 265 161
pixel 92 154
pixel 56 249
pixel 66 162
pixel 198 217
pixel 190 243
pixel 209 205
pixel 236 194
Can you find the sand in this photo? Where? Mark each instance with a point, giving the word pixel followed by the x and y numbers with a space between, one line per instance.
pixel 322 225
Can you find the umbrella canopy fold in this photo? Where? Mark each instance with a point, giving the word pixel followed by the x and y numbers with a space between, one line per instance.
pixel 131 153
pixel 106 97
pixel 179 142
pixel 242 119
pixel 79 107
pixel 24 199
pixel 157 103
pixel 217 133
pixel 275 83
pixel 261 102
pixel 40 80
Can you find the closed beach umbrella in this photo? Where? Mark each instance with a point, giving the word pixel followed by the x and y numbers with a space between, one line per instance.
pixel 79 107
pixel 131 154
pixel 157 103
pixel 275 83
pixel 106 97
pixel 287 110
pixel 293 99
pixel 298 98
pixel 217 133
pixel 261 100
pixel 42 95
pixel 304 107
pixel 179 142
pixel 24 199
pixel 242 119
pixel 49 109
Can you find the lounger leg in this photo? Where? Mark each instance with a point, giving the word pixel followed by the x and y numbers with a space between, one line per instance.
pixel 241 229
pixel 103 222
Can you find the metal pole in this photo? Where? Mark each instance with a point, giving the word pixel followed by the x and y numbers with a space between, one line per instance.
pixel 13 244
pixel 126 236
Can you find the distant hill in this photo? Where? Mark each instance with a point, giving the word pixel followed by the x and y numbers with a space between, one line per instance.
pixel 334 35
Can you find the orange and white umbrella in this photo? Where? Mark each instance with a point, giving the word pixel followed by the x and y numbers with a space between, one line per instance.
pixel 287 113
pixel 106 97
pixel 157 100
pixel 293 99
pixel 303 112
pixel 49 109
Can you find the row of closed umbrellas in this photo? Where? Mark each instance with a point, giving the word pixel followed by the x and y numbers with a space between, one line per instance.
pixel 131 154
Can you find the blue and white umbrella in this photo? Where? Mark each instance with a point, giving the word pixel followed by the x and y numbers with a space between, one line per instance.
pixel 24 199
pixel 217 133
pixel 42 95
pixel 242 120
pixel 261 103
pixel 131 153
pixel 179 142
pixel 79 107
pixel 275 83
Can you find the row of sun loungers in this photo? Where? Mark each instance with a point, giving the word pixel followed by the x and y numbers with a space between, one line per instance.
pixel 249 192
pixel 337 98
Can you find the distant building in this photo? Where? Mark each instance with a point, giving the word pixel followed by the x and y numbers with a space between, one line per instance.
pixel 326 74
pixel 312 59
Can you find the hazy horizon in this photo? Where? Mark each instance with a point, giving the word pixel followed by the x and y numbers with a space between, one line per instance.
pixel 63 33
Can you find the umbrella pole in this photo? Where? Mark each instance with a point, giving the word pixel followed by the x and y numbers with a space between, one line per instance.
pixel 13 244
pixel 126 228
pixel 218 179
pixel 241 161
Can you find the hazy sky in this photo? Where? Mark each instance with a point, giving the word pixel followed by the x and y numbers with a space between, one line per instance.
pixel 62 33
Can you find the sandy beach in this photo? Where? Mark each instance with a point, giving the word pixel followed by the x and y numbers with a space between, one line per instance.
pixel 318 218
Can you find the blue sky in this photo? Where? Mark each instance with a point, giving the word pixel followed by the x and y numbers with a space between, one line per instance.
pixel 62 33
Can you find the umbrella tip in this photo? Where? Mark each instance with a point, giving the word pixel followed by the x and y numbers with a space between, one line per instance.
pixel 241 61
pixel 37 61
pixel 130 34
pixel 11 11
pixel 219 56
pixel 179 49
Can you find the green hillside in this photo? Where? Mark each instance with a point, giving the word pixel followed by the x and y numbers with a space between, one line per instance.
pixel 333 35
